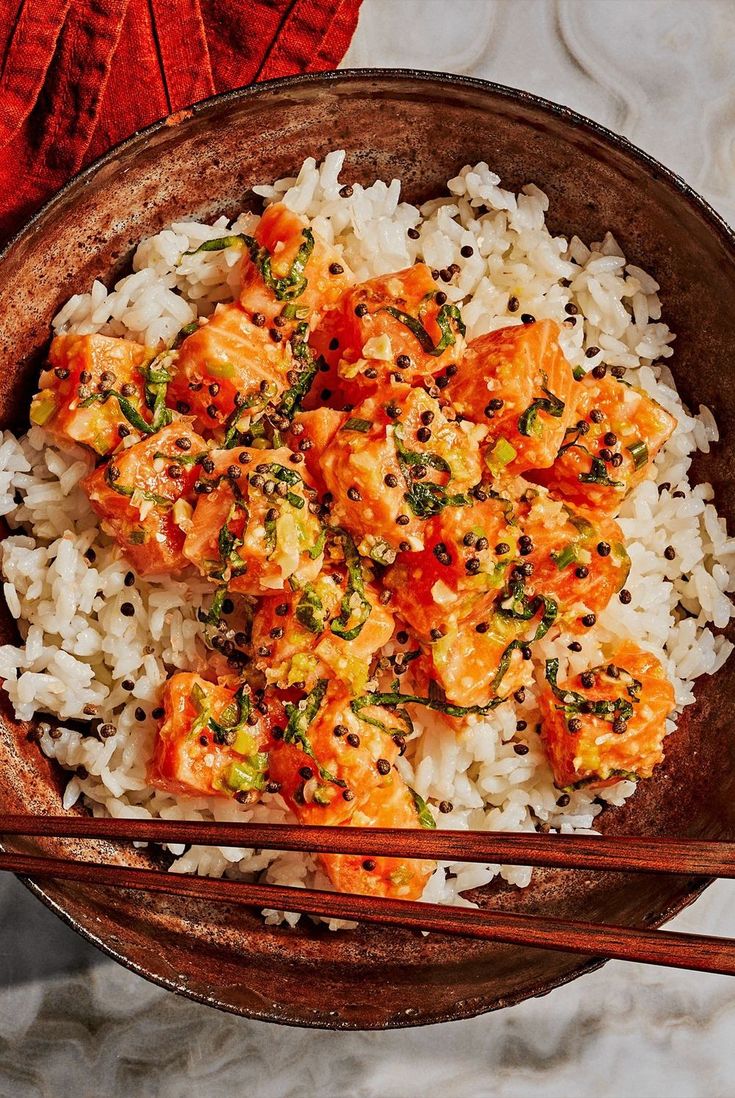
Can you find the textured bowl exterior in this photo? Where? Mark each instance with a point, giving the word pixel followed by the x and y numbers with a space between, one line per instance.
pixel 421 128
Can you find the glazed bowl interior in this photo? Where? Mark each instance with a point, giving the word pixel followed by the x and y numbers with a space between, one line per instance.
pixel 420 128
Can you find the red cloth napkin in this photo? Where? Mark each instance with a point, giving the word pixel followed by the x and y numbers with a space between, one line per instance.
pixel 78 76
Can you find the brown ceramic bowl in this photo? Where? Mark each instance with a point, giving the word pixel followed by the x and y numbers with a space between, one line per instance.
pixel 420 127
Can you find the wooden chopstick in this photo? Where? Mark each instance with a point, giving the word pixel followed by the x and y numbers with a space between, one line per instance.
pixel 658 947
pixel 694 857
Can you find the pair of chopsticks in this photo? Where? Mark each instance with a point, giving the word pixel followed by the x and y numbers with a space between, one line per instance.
pixel 622 853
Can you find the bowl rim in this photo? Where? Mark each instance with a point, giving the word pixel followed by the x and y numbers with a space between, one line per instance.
pixel 396 77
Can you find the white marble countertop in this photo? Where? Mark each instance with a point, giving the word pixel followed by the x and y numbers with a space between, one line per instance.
pixel 73 1022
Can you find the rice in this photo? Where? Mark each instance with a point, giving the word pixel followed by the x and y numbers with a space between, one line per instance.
pixel 64 580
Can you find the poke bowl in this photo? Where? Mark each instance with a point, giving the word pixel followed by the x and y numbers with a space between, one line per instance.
pixel 367 474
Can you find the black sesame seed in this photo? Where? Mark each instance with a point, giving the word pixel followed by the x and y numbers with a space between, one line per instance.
pixel 353 739
pixel 513 304
pixel 619 726
pixel 502 548
pixel 575 646
pixel 527 318
pixel 127 609
pixel 603 548
pixel 403 362
pixel 563 801
pixel 472 565
pixel 446 807
pixel 525 545
pixel 526 652
pixel 521 726
pixel 442 554
pixel 574 725
pixel 158 712
pixel 589 620
pixel 520 694
pixel 258 320
pixel 129 579
pixel 678 495
pixel 664 487
pixel 369 865
pixel 436 634
pixel 616 460
pixel 582 572
pixel 383 766
pixel 625 596
pixel 617 371
pixel 482 627
pixel 140 714
pixel 403 520
pixel 605 454
pixel 596 415
pixel 440 297
pixel 127 684
pixel 610 439
pixel 466 251
pixel 423 434
pixel 336 268
pixel 361 309
pixel 413 234
pixel 353 494
pixel 587 679
pixel 520 748
pixel 213 389
pixel 670 552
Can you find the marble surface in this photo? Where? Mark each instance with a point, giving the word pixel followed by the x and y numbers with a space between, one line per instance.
pixel 72 1022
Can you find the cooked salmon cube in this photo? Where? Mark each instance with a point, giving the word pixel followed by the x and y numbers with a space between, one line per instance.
pixel 253 527
pixel 143 496
pixel 518 383
pixel 578 556
pixel 394 463
pixel 618 431
pixel 608 722
pixel 464 565
pixel 336 766
pixel 229 359
pixel 332 627
pixel 89 385
pixel 212 742
pixel 397 323
pixel 290 268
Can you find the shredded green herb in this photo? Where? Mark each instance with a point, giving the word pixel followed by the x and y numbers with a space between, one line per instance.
pixel 292 284
pixel 444 318
pixel 310 611
pixel 220 244
pixel 291 401
pixel 126 490
pixel 607 709
pixel 300 717
pixel 354 593
pixel 391 700
pixel 598 474
pixel 423 496
pixel 422 809
pixel 528 422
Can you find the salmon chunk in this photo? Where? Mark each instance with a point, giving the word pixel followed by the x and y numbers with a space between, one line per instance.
pixel 618 432
pixel 578 557
pixel 93 391
pixel 609 722
pixel 394 463
pixel 517 381
pixel 252 527
pixel 332 626
pixel 143 495
pixel 212 741
pixel 397 324
pixel 335 764
pixel 289 271
pixel 230 359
